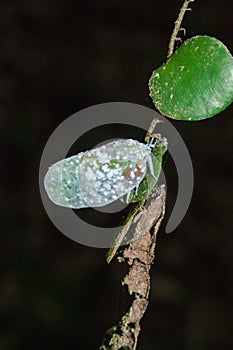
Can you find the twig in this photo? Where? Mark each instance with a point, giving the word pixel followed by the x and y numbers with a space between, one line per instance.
pixel 152 126
pixel 139 256
pixel 144 219
pixel 177 27
pixel 112 251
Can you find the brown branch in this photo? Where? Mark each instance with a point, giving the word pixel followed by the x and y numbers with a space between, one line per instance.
pixel 139 256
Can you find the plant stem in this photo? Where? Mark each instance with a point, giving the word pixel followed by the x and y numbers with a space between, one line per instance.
pixel 177 28
pixel 139 256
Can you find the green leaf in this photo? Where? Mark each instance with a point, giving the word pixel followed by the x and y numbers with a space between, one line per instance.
pixel 196 82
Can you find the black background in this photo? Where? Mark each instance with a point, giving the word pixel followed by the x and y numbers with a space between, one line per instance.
pixel 55 59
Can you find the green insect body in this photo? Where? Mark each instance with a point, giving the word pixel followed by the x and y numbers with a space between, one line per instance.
pixel 148 183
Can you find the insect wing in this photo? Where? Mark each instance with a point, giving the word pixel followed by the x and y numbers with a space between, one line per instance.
pixel 62 185
pixel 99 176
pixel 111 171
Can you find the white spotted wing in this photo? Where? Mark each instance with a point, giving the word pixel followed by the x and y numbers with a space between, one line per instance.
pixel 98 177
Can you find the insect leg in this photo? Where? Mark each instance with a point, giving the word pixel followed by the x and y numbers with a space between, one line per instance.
pixel 154 141
pixel 151 168
pixel 136 188
pixel 128 196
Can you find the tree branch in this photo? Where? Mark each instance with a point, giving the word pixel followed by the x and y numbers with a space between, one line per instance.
pixel 139 256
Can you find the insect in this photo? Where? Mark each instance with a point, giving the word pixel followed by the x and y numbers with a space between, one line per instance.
pixel 100 176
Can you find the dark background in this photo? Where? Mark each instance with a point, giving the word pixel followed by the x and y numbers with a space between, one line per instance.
pixel 55 59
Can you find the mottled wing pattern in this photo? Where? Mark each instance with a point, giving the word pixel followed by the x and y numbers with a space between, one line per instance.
pixel 61 182
pixel 111 171
pixel 99 176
